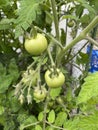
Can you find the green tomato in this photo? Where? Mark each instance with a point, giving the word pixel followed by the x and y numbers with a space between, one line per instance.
pixel 54 80
pixel 37 45
pixel 70 23
pixel 39 94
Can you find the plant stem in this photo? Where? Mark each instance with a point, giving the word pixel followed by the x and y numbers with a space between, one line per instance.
pixel 57 127
pixel 53 4
pixel 50 56
pixel 32 124
pixel 45 109
pixel 79 38
pixel 51 37
pixel 62 53
pixel 91 40
pixel 56 23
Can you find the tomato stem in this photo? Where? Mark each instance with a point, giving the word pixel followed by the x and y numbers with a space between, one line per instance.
pixel 91 40
pixel 33 32
pixel 45 109
pixel 55 41
pixel 50 55
pixel 56 23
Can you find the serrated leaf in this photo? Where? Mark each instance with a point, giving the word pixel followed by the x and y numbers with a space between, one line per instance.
pixel 55 92
pixel 61 118
pixel 6 23
pixel 89 89
pixel 13 101
pixel 5 82
pixel 89 122
pixel 51 116
pixel 26 14
pixel 13 70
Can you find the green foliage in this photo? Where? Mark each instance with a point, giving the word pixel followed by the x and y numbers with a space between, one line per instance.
pixel 26 13
pixel 61 118
pixel 73 106
pixel 6 23
pixel 4 3
pixel 88 122
pixel 51 116
pixel 89 89
pixel 7 79
pixel 55 92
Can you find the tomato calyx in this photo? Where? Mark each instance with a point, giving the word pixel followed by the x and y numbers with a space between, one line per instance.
pixel 54 72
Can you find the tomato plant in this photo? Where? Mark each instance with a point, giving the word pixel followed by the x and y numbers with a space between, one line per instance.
pixel 39 86
pixel 36 45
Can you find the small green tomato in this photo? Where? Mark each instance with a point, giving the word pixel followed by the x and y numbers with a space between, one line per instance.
pixel 39 94
pixel 54 80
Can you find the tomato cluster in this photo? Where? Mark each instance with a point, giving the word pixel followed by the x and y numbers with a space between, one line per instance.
pixel 54 78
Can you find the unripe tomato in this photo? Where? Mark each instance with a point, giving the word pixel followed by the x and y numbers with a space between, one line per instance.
pixel 37 45
pixel 39 94
pixel 70 23
pixel 54 80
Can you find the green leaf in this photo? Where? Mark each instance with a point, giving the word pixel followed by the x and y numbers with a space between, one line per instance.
pixel 1 110
pixel 38 127
pixel 49 17
pixel 3 3
pixel 60 119
pixel 31 119
pixel 2 70
pixel 13 101
pixel 5 82
pixel 85 4
pixel 89 89
pixel 26 14
pixel 40 116
pixel 13 70
pixel 55 92
pixel 51 116
pixel 6 23
pixel 89 122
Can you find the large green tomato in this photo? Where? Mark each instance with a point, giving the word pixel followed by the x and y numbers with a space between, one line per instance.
pixel 37 45
pixel 54 80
